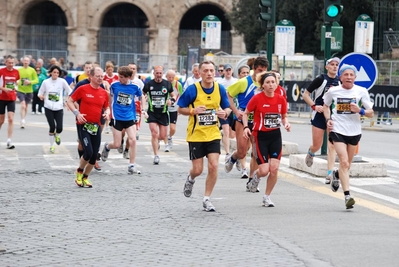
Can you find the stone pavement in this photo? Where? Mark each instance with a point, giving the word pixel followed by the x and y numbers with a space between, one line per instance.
pixel 124 220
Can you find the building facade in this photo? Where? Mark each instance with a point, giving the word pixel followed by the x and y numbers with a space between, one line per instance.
pixel 81 27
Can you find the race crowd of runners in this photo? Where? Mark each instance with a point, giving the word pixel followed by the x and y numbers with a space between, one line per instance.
pixel 251 108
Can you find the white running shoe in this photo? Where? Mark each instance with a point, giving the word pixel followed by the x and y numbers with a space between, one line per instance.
pixel 167 148
pixel 253 185
pixel 131 170
pixel 267 202
pixel 244 173
pixel 208 205
pixel 238 165
pixel 156 160
pixel 228 164
pixel 170 143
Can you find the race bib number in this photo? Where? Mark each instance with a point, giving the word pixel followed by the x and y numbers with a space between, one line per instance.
pixel 207 118
pixel 55 97
pixel 344 106
pixel 251 117
pixel 10 85
pixel 272 121
pixel 158 101
pixel 124 99
pixel 91 128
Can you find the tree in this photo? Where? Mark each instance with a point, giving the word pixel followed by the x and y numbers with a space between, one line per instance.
pixel 306 15
pixel 244 19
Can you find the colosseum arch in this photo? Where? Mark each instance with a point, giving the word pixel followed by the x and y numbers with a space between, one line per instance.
pixel 41 28
pixel 190 28
pixel 122 32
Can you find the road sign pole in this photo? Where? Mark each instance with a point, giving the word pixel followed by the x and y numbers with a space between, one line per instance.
pixel 270 43
pixel 327 55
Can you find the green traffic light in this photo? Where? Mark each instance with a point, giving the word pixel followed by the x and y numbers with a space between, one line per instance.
pixel 332 11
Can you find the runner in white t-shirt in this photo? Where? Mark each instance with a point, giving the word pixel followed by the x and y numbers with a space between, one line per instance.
pixel 349 102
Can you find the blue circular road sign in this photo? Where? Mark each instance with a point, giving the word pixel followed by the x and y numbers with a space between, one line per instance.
pixel 367 72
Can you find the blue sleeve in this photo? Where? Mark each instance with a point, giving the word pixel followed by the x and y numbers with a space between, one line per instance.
pixel 138 93
pixel 224 100
pixel 187 97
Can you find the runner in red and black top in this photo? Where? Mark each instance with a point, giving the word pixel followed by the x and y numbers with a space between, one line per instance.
pixel 8 85
pixel 92 100
pixel 270 112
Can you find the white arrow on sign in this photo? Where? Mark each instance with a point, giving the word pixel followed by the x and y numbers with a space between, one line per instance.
pixel 362 75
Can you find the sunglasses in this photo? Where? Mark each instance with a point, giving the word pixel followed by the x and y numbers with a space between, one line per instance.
pixel 220 70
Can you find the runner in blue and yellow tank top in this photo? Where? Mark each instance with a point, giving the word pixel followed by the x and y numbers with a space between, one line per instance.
pixel 204 102
pixel 244 89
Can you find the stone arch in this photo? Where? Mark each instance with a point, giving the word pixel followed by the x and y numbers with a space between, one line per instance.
pixel 31 24
pixel 20 8
pixel 190 26
pixel 105 7
pixel 124 39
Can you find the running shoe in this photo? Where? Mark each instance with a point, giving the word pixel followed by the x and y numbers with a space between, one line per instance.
pixel 126 154
pixel 309 158
pixel 107 130
pixel 57 139
pixel 247 187
pixel 33 112
pixel 335 181
pixel 228 165
pixel 170 143
pixel 9 145
pixel 52 149
pixel 137 136
pixel 349 202
pixel 167 148
pixel 79 177
pixel 156 160
pixel 97 167
pixel 253 184
pixel 87 182
pixel 244 173
pixel 328 178
pixel 105 152
pixel 267 202
pixel 22 124
pixel 188 187
pixel 238 165
pixel 120 148
pixel 208 205
pixel 131 170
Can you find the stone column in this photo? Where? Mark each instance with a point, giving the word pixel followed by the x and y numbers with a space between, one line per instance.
pixel 11 38
pixel 237 44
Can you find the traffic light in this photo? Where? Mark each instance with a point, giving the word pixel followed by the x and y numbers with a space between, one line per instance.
pixel 332 10
pixel 267 13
